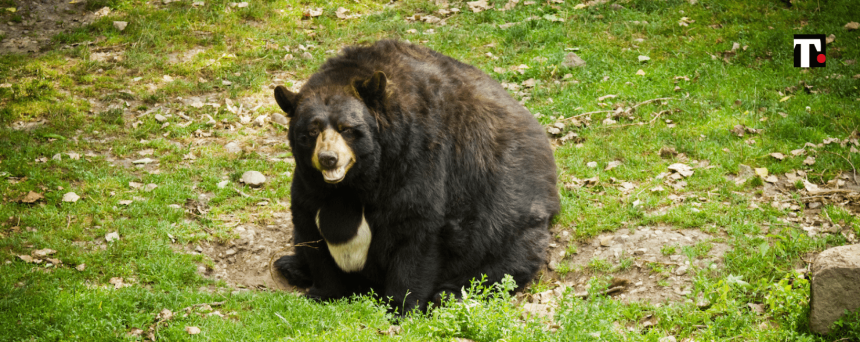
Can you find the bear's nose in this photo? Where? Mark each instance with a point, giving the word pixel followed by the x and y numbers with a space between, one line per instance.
pixel 328 159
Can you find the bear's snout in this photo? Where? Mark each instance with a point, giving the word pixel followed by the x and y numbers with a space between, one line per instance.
pixel 328 159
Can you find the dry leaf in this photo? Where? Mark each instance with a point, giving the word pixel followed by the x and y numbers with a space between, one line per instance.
pixel 683 169
pixel 640 72
pixel 798 152
pixel 591 164
pixel 117 282
pixel 26 258
pixel 81 267
pixel 32 197
pixel 809 160
pixel 657 189
pixel 604 97
pixel 41 253
pixel 313 12
pixel 478 6
pixel 192 330
pixel 164 315
pixel 778 155
pixel 761 172
pixel 852 26
pixel 771 179
pixel 613 164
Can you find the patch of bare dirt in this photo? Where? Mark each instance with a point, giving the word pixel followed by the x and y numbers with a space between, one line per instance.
pixel 636 258
pixel 246 261
pixel 41 20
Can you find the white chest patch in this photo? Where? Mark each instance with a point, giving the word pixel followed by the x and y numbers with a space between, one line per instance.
pixel 351 256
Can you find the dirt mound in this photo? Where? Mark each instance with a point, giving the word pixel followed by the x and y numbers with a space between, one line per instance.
pixel 246 261
pixel 649 262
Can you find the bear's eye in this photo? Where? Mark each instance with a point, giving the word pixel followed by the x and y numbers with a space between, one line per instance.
pixel 313 132
pixel 345 131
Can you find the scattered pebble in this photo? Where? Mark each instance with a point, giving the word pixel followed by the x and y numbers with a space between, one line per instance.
pixel 110 237
pixel 253 178
pixel 232 147
pixel 71 197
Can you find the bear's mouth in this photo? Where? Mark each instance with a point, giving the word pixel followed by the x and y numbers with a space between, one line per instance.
pixel 337 174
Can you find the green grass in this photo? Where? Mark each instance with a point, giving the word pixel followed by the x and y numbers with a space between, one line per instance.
pixel 246 47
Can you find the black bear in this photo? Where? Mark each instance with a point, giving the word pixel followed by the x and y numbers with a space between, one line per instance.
pixel 415 173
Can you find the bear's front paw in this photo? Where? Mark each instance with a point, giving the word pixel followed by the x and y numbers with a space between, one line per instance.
pixel 295 270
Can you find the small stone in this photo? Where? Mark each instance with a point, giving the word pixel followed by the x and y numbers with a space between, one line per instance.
pixel 571 60
pixel 606 241
pixel 198 249
pixel 71 197
pixel 253 178
pixel 223 184
pixel 230 252
pixel 640 251
pixel 120 25
pixel 261 120
pixel 814 205
pixel 835 275
pixel 232 147
pixel 280 119
pixel 681 271
pixel 745 171
pixel 110 237
pixel 81 267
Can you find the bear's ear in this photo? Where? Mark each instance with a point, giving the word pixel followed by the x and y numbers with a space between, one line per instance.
pixel 286 99
pixel 372 88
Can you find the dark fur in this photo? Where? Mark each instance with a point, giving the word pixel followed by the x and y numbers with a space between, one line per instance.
pixel 456 178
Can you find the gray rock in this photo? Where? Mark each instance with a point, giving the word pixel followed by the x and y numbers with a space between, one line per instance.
pixel 835 286
pixel 109 237
pixel 640 251
pixel 681 271
pixel 233 147
pixel 606 241
pixel 253 178
pixel 572 61
pixel 120 25
pixel 814 205
pixel 230 252
pixel 745 172
pixel 280 119
pixel 71 197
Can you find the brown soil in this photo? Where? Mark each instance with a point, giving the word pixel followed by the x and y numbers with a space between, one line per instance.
pixel 40 21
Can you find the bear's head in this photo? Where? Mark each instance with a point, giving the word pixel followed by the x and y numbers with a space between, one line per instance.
pixel 334 126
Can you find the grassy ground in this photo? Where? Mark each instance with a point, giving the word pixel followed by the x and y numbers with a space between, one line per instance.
pixel 93 108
